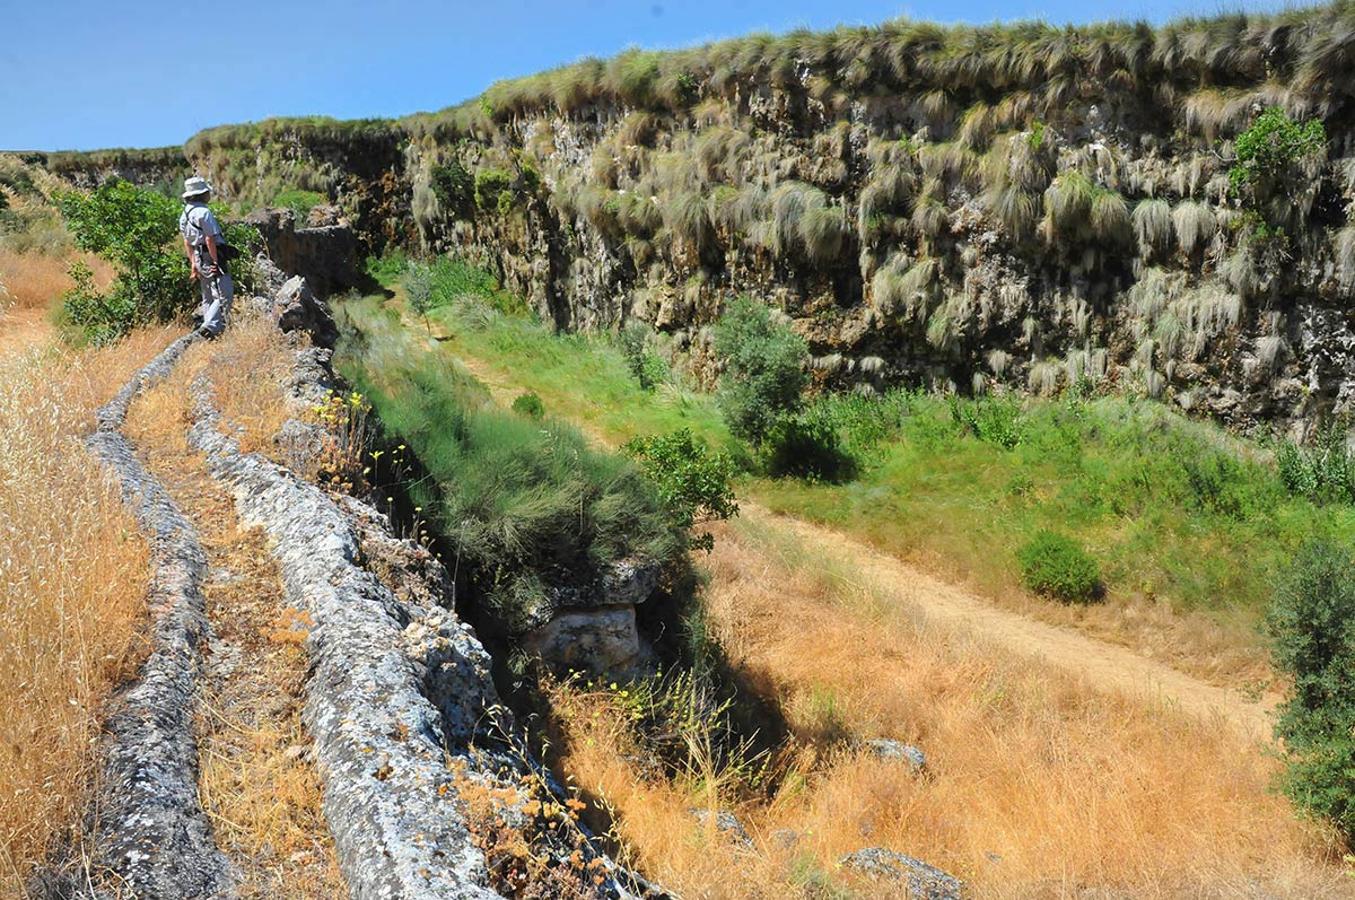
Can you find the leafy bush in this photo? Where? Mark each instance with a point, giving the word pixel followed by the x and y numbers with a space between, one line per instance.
pixel 454 187
pixel 418 284
pixel 1268 150
pixel 649 370
pixel 1056 566
pixel 997 421
pixel 1311 623
pixel 806 446
pixel 693 480
pixel 138 231
pixel 1324 472
pixel 103 317
pixel 491 186
pixel 529 405
pixel 764 369
pixel 299 201
pixel 134 228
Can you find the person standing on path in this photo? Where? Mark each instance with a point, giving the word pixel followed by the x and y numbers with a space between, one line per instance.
pixel 205 244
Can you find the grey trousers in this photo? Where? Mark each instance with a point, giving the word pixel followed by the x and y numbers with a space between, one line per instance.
pixel 217 293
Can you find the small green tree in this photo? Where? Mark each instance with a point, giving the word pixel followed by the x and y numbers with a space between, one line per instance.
pixel 693 480
pixel 764 369
pixel 418 283
pixel 133 228
pixel 1311 622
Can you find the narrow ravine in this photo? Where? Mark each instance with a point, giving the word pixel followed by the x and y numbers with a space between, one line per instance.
pixel 1108 666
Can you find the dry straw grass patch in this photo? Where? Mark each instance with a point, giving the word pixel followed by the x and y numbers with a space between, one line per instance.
pixel 37 280
pixel 1038 785
pixel 73 576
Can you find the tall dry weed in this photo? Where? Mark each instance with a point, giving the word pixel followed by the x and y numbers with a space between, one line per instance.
pixel 37 280
pixel 73 578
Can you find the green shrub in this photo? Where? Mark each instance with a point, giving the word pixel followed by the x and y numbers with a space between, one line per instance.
pixel 808 447
pixel 529 405
pixel 491 185
pixel 647 367
pixel 1271 147
pixel 764 369
pixel 693 480
pixel 387 268
pixel 299 201
pixel 454 187
pixel 997 421
pixel 137 230
pixel 1056 566
pixel 102 317
pixel 418 284
pixel 1311 623
pixel 1323 472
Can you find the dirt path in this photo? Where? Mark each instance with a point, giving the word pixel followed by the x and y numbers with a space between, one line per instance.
pixel 1104 665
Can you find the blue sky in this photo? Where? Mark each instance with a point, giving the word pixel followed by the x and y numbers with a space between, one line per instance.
pixel 81 74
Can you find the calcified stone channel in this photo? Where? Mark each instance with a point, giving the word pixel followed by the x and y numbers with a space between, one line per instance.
pixel 151 836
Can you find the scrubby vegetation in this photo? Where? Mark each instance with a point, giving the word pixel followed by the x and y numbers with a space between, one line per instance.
pixel 525 504
pixel 1055 565
pixel 1312 624
pixel 137 229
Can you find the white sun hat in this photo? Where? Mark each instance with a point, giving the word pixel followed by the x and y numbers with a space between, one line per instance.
pixel 195 187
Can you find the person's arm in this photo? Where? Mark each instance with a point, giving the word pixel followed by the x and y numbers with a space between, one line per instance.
pixel 210 231
pixel 192 259
pixel 211 250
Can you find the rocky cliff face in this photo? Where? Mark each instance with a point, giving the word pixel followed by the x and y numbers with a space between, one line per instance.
pixel 963 207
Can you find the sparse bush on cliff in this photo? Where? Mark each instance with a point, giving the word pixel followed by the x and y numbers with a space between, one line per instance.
pixel 1055 565
pixel 764 369
pixel 1312 627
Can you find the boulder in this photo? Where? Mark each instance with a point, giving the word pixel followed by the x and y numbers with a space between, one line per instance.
pixel 298 309
pixel 925 882
pixel 897 751
pixel 725 823
pixel 326 256
pixel 601 641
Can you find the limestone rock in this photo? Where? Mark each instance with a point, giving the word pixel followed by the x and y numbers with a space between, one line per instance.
pixel 925 882
pixel 897 751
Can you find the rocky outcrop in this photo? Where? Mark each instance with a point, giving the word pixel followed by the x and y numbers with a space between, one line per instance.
pixel 147 827
pixel 593 630
pixel 325 256
pixel 923 881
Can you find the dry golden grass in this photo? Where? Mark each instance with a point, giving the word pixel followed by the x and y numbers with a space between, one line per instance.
pixel 257 782
pixel 73 577
pixel 1039 786
pixel 37 280
pixel 254 362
